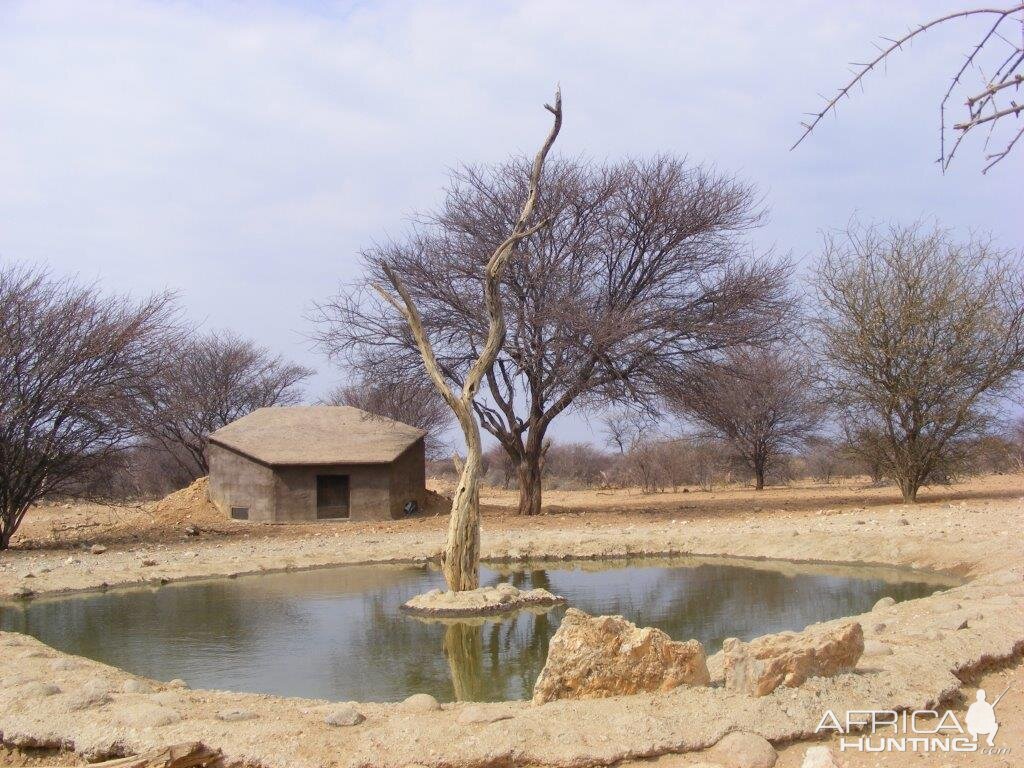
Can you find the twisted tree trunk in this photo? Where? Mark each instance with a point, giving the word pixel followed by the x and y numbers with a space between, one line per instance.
pixel 461 557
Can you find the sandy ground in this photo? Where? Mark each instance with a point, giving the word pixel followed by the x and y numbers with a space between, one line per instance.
pixel 972 530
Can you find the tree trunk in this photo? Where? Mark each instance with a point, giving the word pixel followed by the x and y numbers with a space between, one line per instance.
pixel 530 485
pixel 909 488
pixel 759 477
pixel 461 556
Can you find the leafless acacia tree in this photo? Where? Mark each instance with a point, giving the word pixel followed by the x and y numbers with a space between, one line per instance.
pixel 410 401
pixel 640 272
pixel 461 557
pixel 921 335
pixel 997 58
pixel 761 402
pixel 209 381
pixel 72 362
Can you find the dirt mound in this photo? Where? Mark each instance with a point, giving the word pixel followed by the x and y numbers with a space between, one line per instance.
pixel 437 503
pixel 189 505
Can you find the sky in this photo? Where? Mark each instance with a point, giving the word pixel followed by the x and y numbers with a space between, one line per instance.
pixel 241 154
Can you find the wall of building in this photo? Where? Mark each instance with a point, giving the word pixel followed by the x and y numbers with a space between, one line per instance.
pixel 369 491
pixel 408 478
pixel 237 481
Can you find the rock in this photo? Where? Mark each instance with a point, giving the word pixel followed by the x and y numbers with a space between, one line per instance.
pixel 600 656
pixel 885 602
pixel 876 648
pixel 94 693
pixel 146 715
pixel 904 521
pixel 148 563
pixel 136 686
pixel 235 715
pixel 820 757
pixel 97 549
pixel 420 702
pixel 64 665
pixel 479 602
pixel 192 530
pixel 759 667
pixel 36 689
pixel 177 683
pixel 741 749
pixel 956 620
pixel 168 699
pixel 22 592
pixel 477 715
pixel 344 715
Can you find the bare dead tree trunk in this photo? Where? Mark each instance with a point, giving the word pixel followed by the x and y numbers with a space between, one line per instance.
pixel 461 557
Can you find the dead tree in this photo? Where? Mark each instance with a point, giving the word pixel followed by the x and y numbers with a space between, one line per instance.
pixel 987 105
pixel 73 361
pixel 461 557
pixel 921 337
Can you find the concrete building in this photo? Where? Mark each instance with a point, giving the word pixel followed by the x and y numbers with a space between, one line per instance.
pixel 304 463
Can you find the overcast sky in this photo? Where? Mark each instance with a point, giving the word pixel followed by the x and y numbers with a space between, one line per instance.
pixel 242 153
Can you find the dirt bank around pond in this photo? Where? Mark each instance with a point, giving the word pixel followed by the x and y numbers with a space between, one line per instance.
pixel 48 699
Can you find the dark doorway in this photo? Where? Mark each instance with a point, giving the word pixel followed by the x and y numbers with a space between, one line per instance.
pixel 331 496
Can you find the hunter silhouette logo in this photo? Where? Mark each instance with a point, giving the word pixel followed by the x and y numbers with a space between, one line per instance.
pixel 981 717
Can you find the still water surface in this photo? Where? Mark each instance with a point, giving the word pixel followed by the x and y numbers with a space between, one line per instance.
pixel 338 633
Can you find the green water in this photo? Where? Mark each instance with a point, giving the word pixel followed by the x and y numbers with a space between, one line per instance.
pixel 338 633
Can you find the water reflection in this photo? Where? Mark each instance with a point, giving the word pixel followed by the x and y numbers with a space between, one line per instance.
pixel 338 633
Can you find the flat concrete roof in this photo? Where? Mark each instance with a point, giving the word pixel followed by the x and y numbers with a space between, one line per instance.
pixel 318 435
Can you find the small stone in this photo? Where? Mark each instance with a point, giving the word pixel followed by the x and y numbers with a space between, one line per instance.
pixel 904 521
pixel 64 665
pixel 177 683
pixel 146 715
pixel 71 561
pixel 343 716
pixel 477 715
pixel 39 690
pixel 876 648
pixel 741 749
pixel 885 602
pixel 28 575
pixel 420 702
pixel 94 693
pixel 235 715
pixel 168 698
pixel 820 757
pixel 136 686
pixel 97 549
pixel 192 530
pixel 147 563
